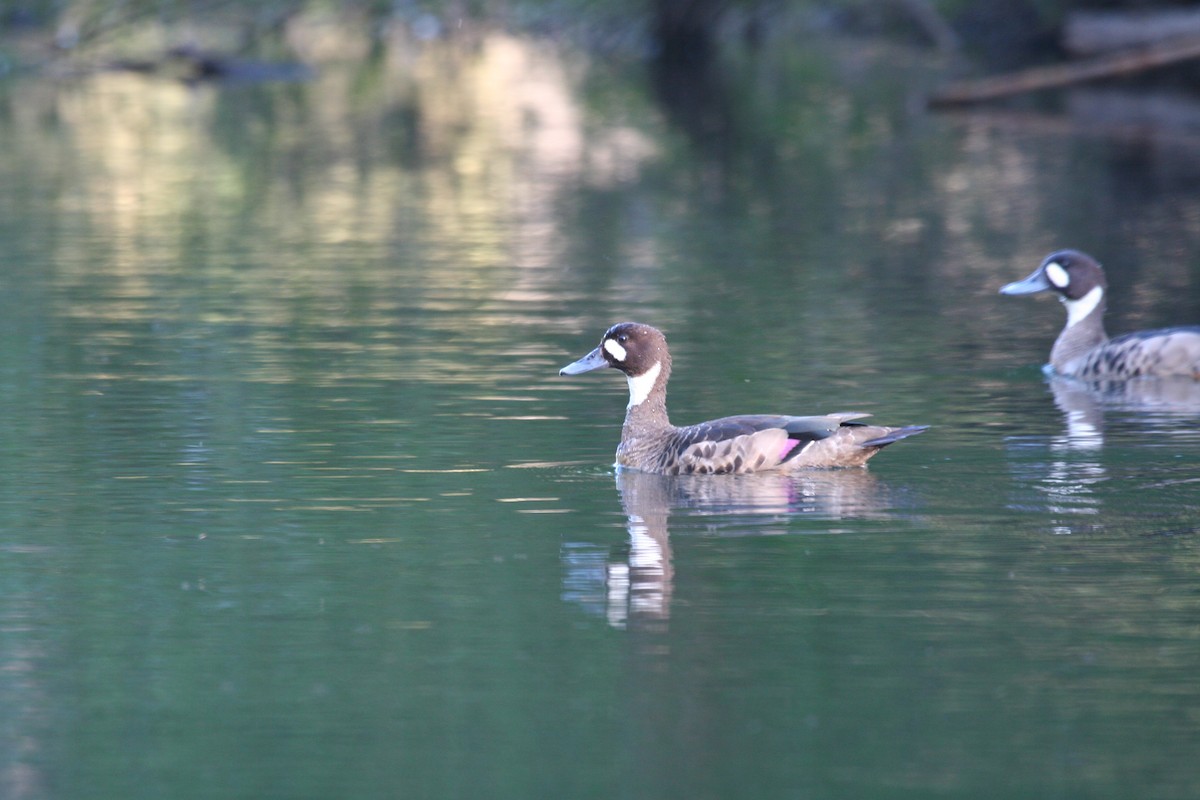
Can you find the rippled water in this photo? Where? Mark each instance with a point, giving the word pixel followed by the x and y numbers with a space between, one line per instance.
pixel 295 503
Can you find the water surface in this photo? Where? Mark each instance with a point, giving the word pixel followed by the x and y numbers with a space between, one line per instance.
pixel 295 504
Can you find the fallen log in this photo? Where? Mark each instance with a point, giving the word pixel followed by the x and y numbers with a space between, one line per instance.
pixel 1127 62
pixel 1086 33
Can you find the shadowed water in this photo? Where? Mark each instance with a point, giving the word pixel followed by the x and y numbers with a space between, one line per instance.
pixel 294 503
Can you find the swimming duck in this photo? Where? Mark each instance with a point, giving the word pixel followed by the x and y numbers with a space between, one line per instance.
pixel 751 443
pixel 1083 350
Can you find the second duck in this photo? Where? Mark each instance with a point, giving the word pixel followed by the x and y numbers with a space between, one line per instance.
pixel 749 443
pixel 1083 350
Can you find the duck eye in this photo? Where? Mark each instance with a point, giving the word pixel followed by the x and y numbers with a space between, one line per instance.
pixel 622 338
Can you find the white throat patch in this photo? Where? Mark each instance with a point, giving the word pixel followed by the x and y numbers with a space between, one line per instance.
pixel 1057 275
pixel 615 350
pixel 1077 310
pixel 640 386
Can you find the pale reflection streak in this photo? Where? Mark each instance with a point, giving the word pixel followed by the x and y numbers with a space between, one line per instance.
pixel 24 693
pixel 1075 469
pixel 467 231
pixel 634 586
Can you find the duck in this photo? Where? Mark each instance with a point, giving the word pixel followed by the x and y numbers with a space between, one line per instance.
pixel 730 445
pixel 1083 349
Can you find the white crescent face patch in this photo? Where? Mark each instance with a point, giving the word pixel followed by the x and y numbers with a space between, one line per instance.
pixel 1057 275
pixel 615 349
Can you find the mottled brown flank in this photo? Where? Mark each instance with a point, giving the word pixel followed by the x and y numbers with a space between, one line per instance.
pixel 832 443
pixel 741 444
pixel 1166 353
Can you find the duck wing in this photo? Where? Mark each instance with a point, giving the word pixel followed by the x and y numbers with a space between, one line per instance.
pixel 748 443
pixel 1160 353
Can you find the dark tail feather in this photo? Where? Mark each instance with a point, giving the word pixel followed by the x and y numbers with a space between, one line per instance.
pixel 895 436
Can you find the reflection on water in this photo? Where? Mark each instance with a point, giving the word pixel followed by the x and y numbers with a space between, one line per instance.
pixel 636 580
pixel 1166 405
pixel 1158 407
pixel 225 215
pixel 268 349
pixel 1152 411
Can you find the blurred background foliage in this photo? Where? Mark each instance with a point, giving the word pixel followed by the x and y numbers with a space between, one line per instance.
pixel 667 30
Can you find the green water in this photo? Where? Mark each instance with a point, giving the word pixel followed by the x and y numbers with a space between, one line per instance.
pixel 293 502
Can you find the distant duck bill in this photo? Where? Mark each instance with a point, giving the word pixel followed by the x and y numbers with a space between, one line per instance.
pixel 593 360
pixel 1036 282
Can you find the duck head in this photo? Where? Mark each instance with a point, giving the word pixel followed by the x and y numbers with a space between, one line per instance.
pixel 640 351
pixel 1075 277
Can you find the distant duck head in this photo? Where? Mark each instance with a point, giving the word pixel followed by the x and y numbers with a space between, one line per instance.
pixel 1075 277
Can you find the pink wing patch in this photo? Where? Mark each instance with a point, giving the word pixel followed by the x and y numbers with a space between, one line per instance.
pixel 788 446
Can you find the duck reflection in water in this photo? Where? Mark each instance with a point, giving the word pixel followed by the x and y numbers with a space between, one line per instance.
pixel 639 577
pixel 1160 406
pixel 1150 407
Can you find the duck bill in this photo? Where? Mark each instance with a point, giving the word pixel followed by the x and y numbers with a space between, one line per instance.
pixel 593 360
pixel 1037 282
